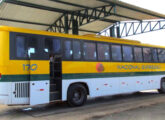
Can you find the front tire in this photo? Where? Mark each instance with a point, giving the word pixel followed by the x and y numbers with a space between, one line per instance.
pixel 77 95
pixel 162 87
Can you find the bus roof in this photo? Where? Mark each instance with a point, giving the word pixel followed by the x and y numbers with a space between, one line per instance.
pixel 85 37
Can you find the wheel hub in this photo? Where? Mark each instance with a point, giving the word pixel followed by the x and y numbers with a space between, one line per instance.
pixel 77 95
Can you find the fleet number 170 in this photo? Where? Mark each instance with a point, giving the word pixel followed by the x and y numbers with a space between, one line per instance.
pixel 27 67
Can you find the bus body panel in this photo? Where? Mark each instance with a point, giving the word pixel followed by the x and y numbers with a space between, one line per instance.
pixel 102 78
pixel 4 51
pixel 117 85
pixel 5 87
pixel 115 78
pixel 5 93
pixel 17 74
pixel 91 68
pixel 39 92
pixel 19 93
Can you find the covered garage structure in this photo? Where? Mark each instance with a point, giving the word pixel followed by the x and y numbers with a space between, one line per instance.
pixel 71 16
pixel 45 73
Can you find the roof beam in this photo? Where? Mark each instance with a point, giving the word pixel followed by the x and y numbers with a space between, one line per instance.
pixel 26 22
pixel 84 17
pixel 134 9
pixel 71 4
pixel 90 31
pixel 40 24
pixel 131 18
pixel 77 5
pixel 26 4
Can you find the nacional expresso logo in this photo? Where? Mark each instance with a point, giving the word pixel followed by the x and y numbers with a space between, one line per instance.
pixel 99 67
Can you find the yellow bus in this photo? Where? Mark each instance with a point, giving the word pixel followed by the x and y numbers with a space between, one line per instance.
pixel 38 67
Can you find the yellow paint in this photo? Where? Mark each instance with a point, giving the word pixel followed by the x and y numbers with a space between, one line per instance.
pixel 90 67
pixel 13 67
pixel 18 67
pixel 84 37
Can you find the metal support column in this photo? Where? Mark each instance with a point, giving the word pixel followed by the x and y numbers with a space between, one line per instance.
pixel 118 32
pixel 112 31
pixel 74 27
pixel 66 27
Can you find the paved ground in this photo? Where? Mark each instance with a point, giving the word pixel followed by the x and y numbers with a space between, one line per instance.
pixel 153 112
pixel 144 106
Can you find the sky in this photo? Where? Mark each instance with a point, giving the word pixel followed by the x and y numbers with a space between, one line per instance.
pixel 157 37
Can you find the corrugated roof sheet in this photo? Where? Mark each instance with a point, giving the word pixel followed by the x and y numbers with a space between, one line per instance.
pixel 121 12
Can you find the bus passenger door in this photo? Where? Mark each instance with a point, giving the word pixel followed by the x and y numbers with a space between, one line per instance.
pixel 39 85
pixel 55 77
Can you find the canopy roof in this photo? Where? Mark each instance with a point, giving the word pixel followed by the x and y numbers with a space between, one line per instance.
pixel 92 15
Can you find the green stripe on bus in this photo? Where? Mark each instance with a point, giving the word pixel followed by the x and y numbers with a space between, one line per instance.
pixel 108 75
pixel 19 78
pixel 40 77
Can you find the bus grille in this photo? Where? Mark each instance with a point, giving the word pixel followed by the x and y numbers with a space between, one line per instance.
pixel 21 90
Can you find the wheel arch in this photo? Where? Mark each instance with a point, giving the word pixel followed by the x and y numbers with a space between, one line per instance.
pixel 82 83
pixel 162 89
pixel 163 78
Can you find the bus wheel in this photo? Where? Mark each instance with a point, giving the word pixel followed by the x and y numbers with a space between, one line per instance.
pixel 77 95
pixel 162 87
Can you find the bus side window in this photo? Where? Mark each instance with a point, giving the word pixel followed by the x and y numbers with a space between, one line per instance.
pixel 127 53
pixel 116 53
pixel 161 55
pixel 76 50
pixel 52 45
pixel 68 49
pixel 56 45
pixel 48 45
pixel 155 55
pixel 103 52
pixel 138 54
pixel 32 47
pixel 21 47
pixel 147 54
pixel 89 49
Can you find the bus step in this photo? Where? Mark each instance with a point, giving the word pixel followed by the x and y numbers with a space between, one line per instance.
pixel 53 87
pixel 52 81
pixel 53 101
pixel 54 95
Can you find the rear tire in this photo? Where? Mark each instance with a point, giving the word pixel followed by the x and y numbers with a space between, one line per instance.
pixel 162 87
pixel 77 95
